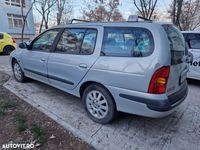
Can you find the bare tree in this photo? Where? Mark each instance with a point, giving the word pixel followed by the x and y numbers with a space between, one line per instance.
pixel 186 14
pixel 44 7
pixel 63 8
pixel 145 8
pixel 25 15
pixel 190 17
pixel 176 11
pixel 102 10
pixel 112 9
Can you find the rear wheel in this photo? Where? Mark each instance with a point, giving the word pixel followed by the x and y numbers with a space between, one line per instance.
pixel 99 104
pixel 8 49
pixel 18 73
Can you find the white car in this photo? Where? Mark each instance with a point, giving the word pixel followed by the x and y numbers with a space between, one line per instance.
pixel 192 39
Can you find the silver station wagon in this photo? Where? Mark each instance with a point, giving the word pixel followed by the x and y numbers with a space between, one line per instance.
pixel 136 67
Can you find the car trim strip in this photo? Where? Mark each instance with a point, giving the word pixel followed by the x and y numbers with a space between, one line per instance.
pixel 50 76
pixel 36 72
pixel 60 79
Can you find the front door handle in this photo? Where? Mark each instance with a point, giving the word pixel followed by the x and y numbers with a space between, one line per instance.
pixel 83 66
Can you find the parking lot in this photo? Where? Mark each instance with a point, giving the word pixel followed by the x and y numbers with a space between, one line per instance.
pixel 181 130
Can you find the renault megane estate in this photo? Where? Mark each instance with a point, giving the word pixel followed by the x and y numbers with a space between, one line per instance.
pixel 134 67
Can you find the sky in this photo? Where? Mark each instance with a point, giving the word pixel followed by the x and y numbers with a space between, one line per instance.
pixel 126 7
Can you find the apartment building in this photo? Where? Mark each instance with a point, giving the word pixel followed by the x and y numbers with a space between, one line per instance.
pixel 11 20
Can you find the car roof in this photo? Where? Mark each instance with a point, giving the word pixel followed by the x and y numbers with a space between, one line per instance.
pixel 105 24
pixel 4 33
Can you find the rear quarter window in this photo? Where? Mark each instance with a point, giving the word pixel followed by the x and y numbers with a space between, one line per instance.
pixel 127 42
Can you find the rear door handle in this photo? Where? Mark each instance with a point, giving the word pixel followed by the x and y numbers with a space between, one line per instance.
pixel 83 66
pixel 42 60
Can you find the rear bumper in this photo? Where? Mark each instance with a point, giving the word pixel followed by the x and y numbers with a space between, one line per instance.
pixel 172 101
pixel 161 105
pixel 149 105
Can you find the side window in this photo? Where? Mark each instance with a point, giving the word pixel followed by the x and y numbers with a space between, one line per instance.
pixel 195 44
pixel 89 42
pixel 194 41
pixel 127 42
pixel 70 41
pixel 45 41
pixel 1 36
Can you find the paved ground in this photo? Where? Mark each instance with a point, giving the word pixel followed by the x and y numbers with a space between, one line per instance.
pixel 4 60
pixel 181 130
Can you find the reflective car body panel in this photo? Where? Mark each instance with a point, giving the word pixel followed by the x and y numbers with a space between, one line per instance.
pixel 62 64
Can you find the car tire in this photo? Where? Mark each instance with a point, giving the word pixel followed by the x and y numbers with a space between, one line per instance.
pixel 99 104
pixel 8 49
pixel 17 72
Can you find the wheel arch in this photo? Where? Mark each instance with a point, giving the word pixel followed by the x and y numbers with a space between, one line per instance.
pixel 5 46
pixel 87 83
pixel 13 60
pixel 7 49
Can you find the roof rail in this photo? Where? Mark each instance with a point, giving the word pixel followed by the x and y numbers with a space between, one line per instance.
pixel 144 18
pixel 79 20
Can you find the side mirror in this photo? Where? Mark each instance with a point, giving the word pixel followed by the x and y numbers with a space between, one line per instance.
pixel 23 45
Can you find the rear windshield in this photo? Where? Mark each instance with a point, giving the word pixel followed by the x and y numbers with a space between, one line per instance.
pixel 177 43
pixel 127 42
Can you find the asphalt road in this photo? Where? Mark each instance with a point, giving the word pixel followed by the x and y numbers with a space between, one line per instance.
pixel 180 130
pixel 4 60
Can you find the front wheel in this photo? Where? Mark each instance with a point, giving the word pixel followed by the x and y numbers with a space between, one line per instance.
pixel 18 73
pixel 99 104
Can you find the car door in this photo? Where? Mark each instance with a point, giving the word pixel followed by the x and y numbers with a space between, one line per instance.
pixel 193 43
pixel 35 58
pixel 72 58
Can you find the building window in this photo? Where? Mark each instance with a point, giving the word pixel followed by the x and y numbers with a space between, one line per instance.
pixel 16 21
pixel 17 3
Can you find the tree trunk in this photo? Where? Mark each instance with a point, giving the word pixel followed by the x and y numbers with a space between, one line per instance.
pixel 41 25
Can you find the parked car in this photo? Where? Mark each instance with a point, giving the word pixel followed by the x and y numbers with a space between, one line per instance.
pixel 133 67
pixel 7 43
pixel 192 39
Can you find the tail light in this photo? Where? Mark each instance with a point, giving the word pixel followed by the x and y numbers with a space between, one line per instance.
pixel 159 81
pixel 14 41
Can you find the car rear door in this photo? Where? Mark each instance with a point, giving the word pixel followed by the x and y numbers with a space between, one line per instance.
pixel 179 52
pixel 193 43
pixel 73 56
pixel 35 58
